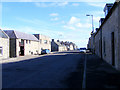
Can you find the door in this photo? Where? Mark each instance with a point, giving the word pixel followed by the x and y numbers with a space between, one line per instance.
pixel 113 48
pixel 22 50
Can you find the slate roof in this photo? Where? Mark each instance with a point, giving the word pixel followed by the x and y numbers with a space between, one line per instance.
pixel 3 34
pixel 58 43
pixel 20 35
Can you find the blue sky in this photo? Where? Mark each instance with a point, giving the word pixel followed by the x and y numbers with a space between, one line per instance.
pixel 65 21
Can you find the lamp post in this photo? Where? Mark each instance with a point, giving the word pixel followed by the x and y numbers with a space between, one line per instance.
pixel 93 48
pixel 92 22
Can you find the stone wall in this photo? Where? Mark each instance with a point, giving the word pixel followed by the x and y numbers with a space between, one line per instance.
pixel 42 39
pixel 32 47
pixel 111 25
pixel 4 43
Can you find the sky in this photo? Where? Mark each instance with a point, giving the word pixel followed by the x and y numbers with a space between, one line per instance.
pixel 65 20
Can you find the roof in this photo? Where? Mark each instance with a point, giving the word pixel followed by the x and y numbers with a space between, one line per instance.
pixel 3 34
pixel 58 43
pixel 108 15
pixel 20 35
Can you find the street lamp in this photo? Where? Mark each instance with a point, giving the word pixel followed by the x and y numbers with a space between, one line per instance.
pixel 92 22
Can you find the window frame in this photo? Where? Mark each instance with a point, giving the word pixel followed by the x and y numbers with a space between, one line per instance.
pixel 45 41
pixel 26 41
pixel 1 48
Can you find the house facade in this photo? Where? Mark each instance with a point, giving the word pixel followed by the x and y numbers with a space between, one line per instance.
pixel 91 43
pixel 57 46
pixel 22 44
pixel 45 41
pixel 4 45
pixel 71 46
pixel 107 37
pixel 111 36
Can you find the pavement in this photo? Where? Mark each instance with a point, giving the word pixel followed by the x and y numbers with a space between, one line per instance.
pixel 22 58
pixel 100 74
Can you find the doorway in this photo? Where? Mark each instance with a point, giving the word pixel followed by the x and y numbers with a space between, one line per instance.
pixel 22 50
pixel 113 48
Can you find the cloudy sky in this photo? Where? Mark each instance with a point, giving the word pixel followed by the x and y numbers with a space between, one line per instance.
pixel 65 20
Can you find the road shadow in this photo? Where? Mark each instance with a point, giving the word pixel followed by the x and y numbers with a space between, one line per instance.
pixel 20 69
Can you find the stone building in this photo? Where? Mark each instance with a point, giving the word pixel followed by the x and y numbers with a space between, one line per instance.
pixel 91 43
pixel 45 41
pixel 22 44
pixel 107 38
pixel 57 46
pixel 71 46
pixel 4 45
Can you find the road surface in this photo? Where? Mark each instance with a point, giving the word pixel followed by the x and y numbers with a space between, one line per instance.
pixel 59 70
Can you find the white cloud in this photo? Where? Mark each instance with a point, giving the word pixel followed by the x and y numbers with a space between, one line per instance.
pixel 54 19
pixel 73 20
pixel 37 4
pixel 33 21
pixel 75 4
pixel 8 28
pixel 54 14
pixel 50 4
pixel 75 24
pixel 96 19
pixel 69 27
pixel 79 25
pixel 97 4
pixel 62 4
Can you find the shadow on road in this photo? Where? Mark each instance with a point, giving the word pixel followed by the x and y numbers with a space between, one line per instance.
pixel 50 71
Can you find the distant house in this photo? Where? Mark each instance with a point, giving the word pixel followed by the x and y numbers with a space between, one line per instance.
pixel 71 47
pixel 45 41
pixel 57 46
pixel 22 44
pixel 4 45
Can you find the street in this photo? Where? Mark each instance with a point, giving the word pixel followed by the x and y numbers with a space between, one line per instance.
pixel 58 70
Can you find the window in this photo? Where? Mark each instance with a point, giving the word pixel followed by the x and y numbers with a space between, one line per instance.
pixel 1 51
pixel 27 41
pixel 22 42
pixel 40 40
pixel 45 41
pixel 104 46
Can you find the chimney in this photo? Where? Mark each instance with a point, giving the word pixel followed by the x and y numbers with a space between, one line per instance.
pixel 107 8
pixel 58 41
pixel 117 0
pixel 97 29
pixel 101 21
pixel 52 40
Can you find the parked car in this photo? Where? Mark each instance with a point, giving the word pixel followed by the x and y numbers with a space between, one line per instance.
pixel 45 51
pixel 82 50
pixel 87 50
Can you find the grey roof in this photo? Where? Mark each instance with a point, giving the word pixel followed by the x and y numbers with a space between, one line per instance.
pixel 59 44
pixel 20 35
pixel 2 34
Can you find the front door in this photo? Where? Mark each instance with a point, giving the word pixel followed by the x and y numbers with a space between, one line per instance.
pixel 113 48
pixel 21 50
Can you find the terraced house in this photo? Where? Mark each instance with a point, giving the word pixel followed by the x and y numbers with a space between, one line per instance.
pixel 22 44
pixel 57 46
pixel 45 41
pixel 4 45
pixel 107 37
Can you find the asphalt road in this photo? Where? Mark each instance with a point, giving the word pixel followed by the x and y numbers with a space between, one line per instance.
pixel 59 70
